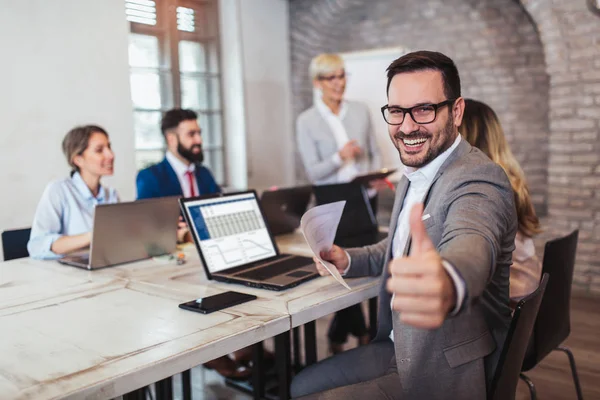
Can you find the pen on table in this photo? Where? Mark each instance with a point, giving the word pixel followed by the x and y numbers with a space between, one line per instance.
pixel 390 184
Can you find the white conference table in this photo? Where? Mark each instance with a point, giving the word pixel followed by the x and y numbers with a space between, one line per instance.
pixel 72 333
pixel 304 304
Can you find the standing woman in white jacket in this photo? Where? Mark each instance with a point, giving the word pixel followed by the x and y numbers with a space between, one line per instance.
pixel 336 142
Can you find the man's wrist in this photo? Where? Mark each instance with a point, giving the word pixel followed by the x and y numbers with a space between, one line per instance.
pixel 451 294
pixel 345 271
pixel 457 288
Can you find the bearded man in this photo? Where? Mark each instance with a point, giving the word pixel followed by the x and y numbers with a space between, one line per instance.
pixel 181 172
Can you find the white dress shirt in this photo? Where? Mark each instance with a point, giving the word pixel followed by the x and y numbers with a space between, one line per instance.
pixel 347 170
pixel 180 170
pixel 420 182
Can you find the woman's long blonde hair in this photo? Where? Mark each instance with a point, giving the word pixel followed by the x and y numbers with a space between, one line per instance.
pixel 482 129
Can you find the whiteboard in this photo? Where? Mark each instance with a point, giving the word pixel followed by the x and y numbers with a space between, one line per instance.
pixel 367 80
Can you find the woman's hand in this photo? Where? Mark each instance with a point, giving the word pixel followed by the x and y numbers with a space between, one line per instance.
pixel 183 232
pixel 69 244
pixel 350 151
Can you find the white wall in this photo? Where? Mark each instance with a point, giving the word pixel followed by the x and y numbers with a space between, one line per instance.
pixel 367 81
pixel 267 92
pixel 64 63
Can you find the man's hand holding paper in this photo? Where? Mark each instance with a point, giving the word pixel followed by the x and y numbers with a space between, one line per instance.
pixel 336 256
pixel 319 225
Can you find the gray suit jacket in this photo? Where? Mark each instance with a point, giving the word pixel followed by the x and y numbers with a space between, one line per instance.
pixel 317 144
pixel 473 225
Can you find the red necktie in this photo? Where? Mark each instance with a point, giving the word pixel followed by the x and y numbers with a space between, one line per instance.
pixel 190 176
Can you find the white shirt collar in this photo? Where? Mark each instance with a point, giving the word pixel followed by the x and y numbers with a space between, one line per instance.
pixel 85 191
pixel 326 111
pixel 428 172
pixel 179 166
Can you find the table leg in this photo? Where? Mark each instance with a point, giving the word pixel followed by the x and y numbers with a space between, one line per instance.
pixel 296 345
pixel 164 389
pixel 373 316
pixel 283 364
pixel 186 384
pixel 258 371
pixel 138 394
pixel 310 342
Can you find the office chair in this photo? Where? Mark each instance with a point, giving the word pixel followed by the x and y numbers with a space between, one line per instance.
pixel 14 243
pixel 506 376
pixel 553 323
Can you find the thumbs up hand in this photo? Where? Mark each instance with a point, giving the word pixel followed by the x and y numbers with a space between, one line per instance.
pixel 423 291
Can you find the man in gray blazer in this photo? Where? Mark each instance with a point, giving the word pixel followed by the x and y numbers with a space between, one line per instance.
pixel 443 302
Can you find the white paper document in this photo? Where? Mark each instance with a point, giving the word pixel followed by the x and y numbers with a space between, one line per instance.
pixel 318 226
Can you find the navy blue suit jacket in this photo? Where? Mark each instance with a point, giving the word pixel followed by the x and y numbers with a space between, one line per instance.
pixel 160 180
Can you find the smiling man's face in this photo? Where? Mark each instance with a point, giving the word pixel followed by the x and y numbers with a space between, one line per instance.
pixel 418 144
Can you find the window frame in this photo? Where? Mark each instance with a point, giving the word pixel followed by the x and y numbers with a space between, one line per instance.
pixel 168 35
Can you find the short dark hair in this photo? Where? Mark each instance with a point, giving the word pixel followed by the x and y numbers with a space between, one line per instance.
pixel 174 117
pixel 424 60
pixel 77 140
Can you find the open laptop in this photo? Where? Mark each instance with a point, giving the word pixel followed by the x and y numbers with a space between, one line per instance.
pixel 284 208
pixel 358 225
pixel 130 231
pixel 235 244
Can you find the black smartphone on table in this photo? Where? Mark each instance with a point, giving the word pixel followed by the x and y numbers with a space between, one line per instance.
pixel 209 304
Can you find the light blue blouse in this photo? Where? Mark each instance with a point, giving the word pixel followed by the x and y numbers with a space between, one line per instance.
pixel 66 208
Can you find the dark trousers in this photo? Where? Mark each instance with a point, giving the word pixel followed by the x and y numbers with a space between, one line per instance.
pixel 366 372
pixel 349 320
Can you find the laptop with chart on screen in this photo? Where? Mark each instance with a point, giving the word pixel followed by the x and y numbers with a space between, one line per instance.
pixel 235 244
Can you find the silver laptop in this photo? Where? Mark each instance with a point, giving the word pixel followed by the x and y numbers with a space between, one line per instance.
pixel 235 243
pixel 130 231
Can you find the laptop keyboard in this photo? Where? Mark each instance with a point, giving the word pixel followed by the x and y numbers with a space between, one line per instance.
pixel 280 268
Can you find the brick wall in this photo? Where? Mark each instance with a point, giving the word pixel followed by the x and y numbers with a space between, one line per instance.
pixel 570 34
pixel 537 64
pixel 493 42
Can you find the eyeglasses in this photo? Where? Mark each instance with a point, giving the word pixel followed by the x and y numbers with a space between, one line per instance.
pixel 421 114
pixel 330 78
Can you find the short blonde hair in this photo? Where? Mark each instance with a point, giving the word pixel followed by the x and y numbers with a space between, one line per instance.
pixel 324 64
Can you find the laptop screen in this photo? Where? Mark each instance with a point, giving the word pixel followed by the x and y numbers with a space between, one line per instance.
pixel 231 231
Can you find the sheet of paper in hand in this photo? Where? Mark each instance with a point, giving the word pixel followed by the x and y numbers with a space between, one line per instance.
pixel 319 225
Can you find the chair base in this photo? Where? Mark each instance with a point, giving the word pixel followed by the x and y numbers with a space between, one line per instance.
pixel 530 385
pixel 573 370
pixel 532 391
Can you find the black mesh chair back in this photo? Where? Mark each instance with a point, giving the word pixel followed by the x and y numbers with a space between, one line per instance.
pixel 506 377
pixel 553 323
pixel 14 243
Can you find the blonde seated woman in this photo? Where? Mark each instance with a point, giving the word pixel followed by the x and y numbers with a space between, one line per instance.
pixel 481 128
pixel 64 216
